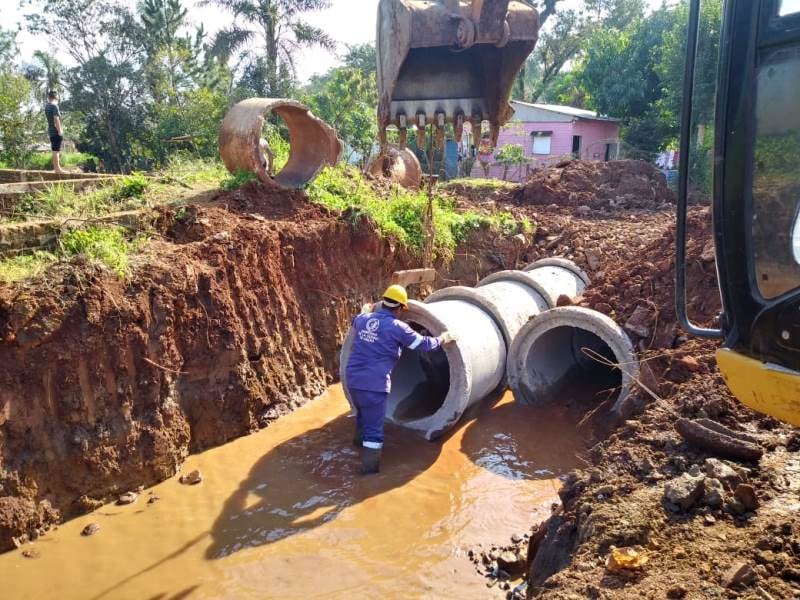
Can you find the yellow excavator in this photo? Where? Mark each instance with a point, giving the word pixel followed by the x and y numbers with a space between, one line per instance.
pixel 756 201
pixel 451 61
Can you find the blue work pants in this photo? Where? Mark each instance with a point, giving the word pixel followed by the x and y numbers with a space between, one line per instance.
pixel 370 413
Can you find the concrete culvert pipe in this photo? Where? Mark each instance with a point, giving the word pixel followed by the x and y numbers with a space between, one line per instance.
pixel 551 277
pixel 430 391
pixel 313 143
pixel 398 165
pixel 565 355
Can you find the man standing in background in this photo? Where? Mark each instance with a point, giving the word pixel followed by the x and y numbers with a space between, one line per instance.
pixel 55 129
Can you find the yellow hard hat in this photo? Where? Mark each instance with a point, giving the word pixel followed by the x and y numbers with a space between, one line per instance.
pixel 397 293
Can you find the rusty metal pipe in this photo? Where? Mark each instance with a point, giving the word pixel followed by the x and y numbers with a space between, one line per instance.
pixel 313 143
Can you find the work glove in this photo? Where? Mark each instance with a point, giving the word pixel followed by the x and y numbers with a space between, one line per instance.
pixel 367 308
pixel 447 337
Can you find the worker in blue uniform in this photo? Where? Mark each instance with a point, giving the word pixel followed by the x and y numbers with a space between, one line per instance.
pixel 380 337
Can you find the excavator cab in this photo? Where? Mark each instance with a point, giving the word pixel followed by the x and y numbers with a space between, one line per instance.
pixel 450 61
pixel 756 200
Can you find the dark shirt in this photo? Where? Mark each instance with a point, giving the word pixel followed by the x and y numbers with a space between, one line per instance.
pixel 51 112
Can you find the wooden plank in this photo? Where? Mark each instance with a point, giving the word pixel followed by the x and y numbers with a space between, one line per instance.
pixel 413 276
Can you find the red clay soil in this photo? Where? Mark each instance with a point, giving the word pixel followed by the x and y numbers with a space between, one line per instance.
pixel 711 549
pixel 230 320
pixel 614 184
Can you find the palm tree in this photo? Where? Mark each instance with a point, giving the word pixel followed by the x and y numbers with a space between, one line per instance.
pixel 267 35
pixel 45 73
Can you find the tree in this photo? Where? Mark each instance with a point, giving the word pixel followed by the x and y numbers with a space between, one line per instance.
pixel 346 98
pixel 161 20
pixel 361 57
pixel 8 49
pixel 266 36
pixel 45 73
pixel 17 118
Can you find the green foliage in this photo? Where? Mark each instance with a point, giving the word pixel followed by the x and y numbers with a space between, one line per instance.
pixel 478 184
pixel 510 154
pixel 347 101
pixel 25 266
pixel 237 180
pixel 43 161
pixel 278 145
pixel 187 171
pixel 105 245
pixel 400 216
pixel 17 119
pixel 131 186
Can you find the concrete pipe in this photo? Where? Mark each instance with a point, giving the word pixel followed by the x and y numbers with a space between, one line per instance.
pixel 551 277
pixel 572 354
pixel 431 391
pixel 400 166
pixel 313 143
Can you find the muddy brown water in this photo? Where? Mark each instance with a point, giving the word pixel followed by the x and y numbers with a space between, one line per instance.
pixel 283 514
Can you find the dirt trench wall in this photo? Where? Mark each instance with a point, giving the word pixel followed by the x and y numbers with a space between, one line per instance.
pixel 235 319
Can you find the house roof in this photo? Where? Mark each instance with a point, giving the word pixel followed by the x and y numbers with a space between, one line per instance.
pixel 566 110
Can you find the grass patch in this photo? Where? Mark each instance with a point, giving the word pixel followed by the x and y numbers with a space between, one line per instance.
pixel 236 180
pixel 400 215
pixel 19 268
pixel 43 161
pixel 104 245
pixel 478 184
pixel 186 170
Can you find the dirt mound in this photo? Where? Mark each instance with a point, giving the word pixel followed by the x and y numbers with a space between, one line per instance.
pixel 615 184
pixel 640 294
pixel 231 319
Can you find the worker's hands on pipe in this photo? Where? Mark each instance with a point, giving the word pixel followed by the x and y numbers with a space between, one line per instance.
pixel 448 338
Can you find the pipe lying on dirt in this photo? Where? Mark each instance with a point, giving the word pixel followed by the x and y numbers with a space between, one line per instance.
pixel 313 143
pixel 572 354
pixel 430 392
pixel 398 165
pixel 552 277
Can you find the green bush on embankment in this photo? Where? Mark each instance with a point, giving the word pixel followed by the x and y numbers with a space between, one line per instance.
pixel 399 213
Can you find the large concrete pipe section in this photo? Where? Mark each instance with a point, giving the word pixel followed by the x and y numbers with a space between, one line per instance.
pixel 399 165
pixel 313 143
pixel 572 354
pixel 430 391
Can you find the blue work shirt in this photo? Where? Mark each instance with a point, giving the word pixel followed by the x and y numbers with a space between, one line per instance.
pixel 377 345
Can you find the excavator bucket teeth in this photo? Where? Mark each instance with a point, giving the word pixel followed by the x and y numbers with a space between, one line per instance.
pixel 313 143
pixel 453 57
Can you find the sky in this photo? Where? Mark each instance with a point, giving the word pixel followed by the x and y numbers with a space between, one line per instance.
pixel 347 21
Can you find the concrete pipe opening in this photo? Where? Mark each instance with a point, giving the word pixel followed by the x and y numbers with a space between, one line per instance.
pixel 572 355
pixel 313 143
pixel 431 391
pixel 399 165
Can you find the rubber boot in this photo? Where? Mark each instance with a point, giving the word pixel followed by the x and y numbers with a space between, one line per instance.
pixel 358 438
pixel 370 460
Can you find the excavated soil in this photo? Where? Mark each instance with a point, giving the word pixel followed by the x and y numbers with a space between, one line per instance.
pixel 233 317
pixel 614 184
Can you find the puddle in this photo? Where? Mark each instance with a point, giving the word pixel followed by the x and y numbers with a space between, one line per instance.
pixel 284 514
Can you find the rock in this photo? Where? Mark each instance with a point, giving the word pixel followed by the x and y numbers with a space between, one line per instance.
pixel 192 478
pixel 583 210
pixel 603 307
pixel 713 496
pixel 709 520
pixel 516 538
pixel 684 491
pixel 719 470
pixel 690 363
pixel 734 507
pixel 746 494
pixel 605 491
pixel 740 573
pixel 676 591
pixel 88 504
pixel 511 562
pixel 31 553
pixel 645 466
pixel 791 574
pixel 153 499
pixel 593 260
pixel 639 322
pixel 127 498
pixel 90 529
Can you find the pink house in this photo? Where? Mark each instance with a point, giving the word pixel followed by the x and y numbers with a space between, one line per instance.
pixel 549 133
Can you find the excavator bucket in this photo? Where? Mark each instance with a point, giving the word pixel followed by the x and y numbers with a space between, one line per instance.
pixel 450 61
